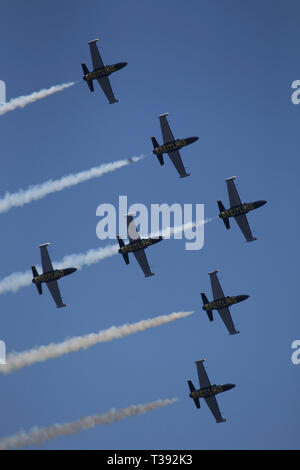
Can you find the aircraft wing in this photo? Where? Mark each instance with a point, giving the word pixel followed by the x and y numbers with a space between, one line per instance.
pixel 95 54
pixel 54 291
pixel 46 261
pixel 216 286
pixel 142 260
pixel 177 162
pixel 227 320
pixel 165 129
pixel 133 235
pixel 242 222
pixel 202 375
pixel 106 87
pixel 214 408
pixel 233 195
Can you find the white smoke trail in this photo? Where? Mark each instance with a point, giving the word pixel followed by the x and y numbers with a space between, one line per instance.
pixel 39 191
pixel 22 101
pixel 16 361
pixel 38 435
pixel 166 233
pixel 13 282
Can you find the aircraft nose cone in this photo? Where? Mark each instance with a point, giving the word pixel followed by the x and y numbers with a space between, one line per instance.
pixel 73 270
pixel 121 65
pixel 227 387
pixel 261 203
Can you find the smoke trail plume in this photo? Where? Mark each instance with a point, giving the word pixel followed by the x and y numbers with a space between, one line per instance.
pixel 169 231
pixel 22 101
pixel 38 435
pixel 13 282
pixel 16 361
pixel 39 191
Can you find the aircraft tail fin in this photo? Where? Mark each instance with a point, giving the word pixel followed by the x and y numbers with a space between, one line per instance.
pixel 205 301
pixel 155 145
pixel 192 389
pixel 38 285
pixel 225 219
pixel 125 255
pixel 89 82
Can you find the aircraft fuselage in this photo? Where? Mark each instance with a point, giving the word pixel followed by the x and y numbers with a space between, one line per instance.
pixel 53 275
pixel 241 209
pixel 104 71
pixel 140 244
pixel 174 145
pixel 210 391
pixel 224 302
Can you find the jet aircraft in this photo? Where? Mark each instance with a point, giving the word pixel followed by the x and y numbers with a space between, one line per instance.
pixel 50 276
pixel 171 146
pixel 238 210
pixel 137 246
pixel 221 303
pixel 207 391
pixel 101 72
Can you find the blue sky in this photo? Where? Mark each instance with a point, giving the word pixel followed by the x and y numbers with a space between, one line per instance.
pixel 223 71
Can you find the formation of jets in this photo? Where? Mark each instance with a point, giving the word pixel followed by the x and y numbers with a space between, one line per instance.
pixel 137 245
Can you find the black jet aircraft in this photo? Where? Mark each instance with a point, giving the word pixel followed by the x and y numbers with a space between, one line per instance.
pixel 171 146
pixel 207 391
pixel 101 72
pixel 238 210
pixel 221 303
pixel 137 246
pixel 50 276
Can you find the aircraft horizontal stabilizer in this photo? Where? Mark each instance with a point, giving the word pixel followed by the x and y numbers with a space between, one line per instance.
pixel 35 274
pixel 205 301
pixel 225 220
pixel 125 255
pixel 192 389
pixel 89 82
pixel 155 145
